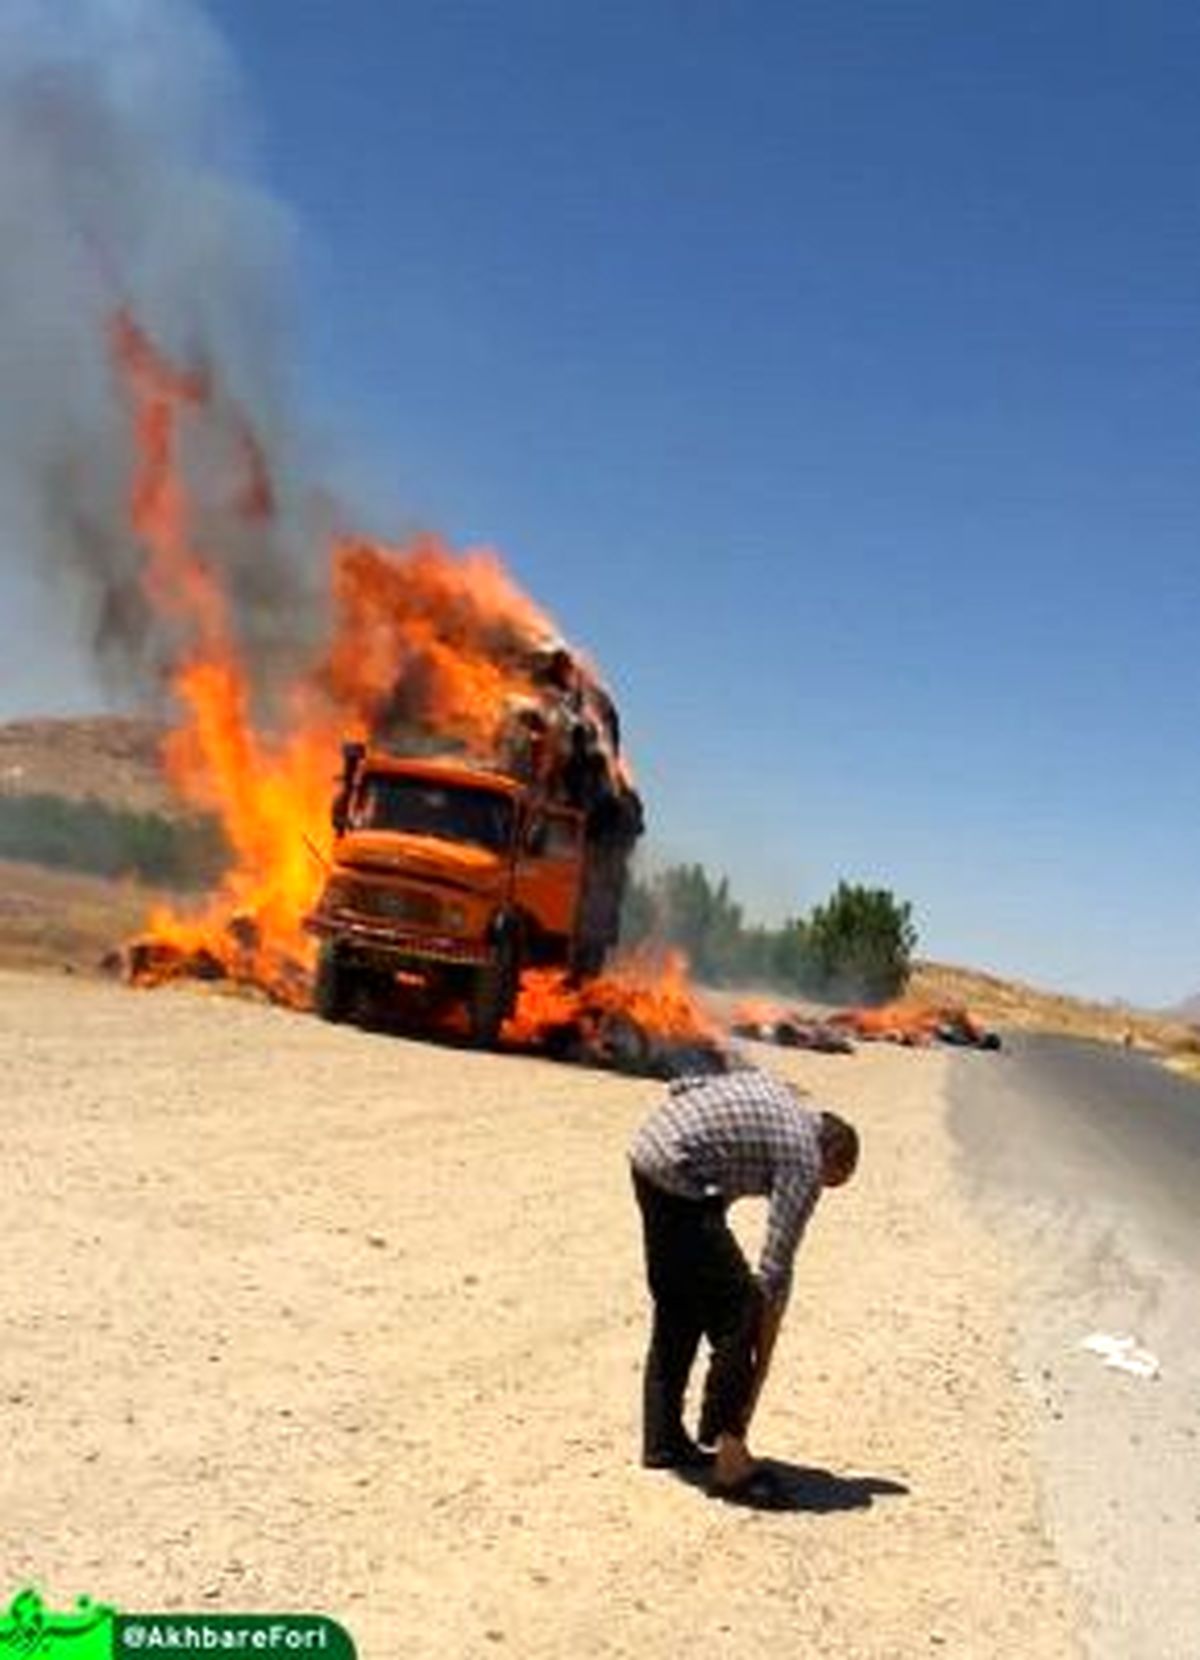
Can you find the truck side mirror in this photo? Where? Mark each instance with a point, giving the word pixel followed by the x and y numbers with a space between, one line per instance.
pixel 536 837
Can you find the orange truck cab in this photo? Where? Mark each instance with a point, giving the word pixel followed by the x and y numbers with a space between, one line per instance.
pixel 447 879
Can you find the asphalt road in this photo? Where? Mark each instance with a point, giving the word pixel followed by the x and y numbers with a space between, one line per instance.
pixel 1087 1162
pixel 1084 1122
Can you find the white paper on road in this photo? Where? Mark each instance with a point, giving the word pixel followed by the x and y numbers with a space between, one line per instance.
pixel 1125 1354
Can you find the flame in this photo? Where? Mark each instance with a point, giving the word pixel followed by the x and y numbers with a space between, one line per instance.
pixel 439 640
pixel 759 1011
pixel 422 641
pixel 654 996
pixel 264 792
pixel 417 634
pixel 908 1022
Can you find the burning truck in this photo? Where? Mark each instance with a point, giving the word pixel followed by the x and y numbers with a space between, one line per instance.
pixel 484 817
pixel 451 876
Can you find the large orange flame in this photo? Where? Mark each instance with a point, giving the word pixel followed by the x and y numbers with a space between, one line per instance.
pixel 655 996
pixel 423 639
pixel 909 1022
pixel 268 795
pixel 445 635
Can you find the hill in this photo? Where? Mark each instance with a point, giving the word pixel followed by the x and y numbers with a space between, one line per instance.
pixel 1012 1005
pixel 1188 1010
pixel 108 758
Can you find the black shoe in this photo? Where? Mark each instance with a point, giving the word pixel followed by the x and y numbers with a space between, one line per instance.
pixel 685 1456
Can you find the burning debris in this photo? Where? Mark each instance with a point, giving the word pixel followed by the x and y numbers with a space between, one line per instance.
pixel 430 657
pixel 766 1022
pixel 267 793
pixel 187 550
pixel 484 757
pixel 646 1019
pixel 913 1025
pixel 239 961
pixel 916 1025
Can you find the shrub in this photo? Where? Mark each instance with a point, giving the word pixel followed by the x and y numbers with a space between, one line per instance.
pixel 861 943
pixel 856 947
pixel 101 840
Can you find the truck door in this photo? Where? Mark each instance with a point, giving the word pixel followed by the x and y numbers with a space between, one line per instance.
pixel 550 868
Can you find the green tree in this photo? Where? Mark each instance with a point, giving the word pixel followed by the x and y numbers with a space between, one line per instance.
pixel 91 836
pixel 790 958
pixel 700 918
pixel 856 947
pixel 861 943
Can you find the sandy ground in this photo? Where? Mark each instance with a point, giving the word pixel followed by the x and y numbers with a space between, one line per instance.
pixel 305 1318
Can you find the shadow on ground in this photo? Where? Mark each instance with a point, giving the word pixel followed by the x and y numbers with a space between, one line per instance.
pixel 801 1487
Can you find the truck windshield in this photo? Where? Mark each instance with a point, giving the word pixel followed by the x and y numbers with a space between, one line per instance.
pixel 452 812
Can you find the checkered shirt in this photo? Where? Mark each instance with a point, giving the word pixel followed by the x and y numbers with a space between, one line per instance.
pixel 732 1136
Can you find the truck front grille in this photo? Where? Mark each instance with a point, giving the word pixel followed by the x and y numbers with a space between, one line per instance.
pixel 376 899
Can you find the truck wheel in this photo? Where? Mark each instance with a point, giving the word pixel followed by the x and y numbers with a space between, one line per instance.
pixel 333 986
pixel 493 993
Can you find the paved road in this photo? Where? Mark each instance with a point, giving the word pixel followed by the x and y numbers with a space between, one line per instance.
pixel 1087 1121
pixel 1087 1160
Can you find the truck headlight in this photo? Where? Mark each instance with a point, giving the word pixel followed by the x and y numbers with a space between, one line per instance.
pixel 456 918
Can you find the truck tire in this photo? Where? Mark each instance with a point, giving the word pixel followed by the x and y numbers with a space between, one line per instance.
pixel 333 986
pixel 492 996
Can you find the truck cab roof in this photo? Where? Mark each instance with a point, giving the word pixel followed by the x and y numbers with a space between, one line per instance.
pixel 443 769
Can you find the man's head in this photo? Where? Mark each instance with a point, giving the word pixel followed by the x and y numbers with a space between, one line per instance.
pixel 839 1150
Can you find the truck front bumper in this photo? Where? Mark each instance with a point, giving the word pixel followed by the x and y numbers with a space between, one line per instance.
pixel 381 940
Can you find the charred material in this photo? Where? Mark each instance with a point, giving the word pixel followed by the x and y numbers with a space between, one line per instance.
pixel 236 957
pixel 792 1033
pixel 563 739
pixel 619 1043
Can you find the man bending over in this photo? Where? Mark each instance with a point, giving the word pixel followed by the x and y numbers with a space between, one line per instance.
pixel 711 1141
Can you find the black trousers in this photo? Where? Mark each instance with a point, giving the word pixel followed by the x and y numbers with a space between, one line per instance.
pixel 702 1286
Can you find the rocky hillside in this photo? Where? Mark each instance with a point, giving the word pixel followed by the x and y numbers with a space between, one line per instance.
pixel 1010 1004
pixel 110 758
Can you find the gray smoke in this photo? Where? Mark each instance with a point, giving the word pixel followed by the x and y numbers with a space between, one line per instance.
pixel 123 181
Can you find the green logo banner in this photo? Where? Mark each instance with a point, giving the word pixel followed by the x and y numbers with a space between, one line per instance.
pixel 95 1631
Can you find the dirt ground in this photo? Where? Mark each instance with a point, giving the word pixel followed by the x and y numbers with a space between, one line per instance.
pixel 64 921
pixel 306 1318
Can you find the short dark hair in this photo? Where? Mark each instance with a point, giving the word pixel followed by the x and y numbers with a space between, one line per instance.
pixel 839 1141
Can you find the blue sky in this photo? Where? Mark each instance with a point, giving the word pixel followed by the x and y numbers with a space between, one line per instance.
pixel 832 372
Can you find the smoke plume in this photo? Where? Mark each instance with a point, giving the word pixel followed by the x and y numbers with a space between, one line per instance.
pixel 123 183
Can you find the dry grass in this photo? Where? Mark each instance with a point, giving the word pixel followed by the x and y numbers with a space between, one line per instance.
pixel 64 919
pixel 60 919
